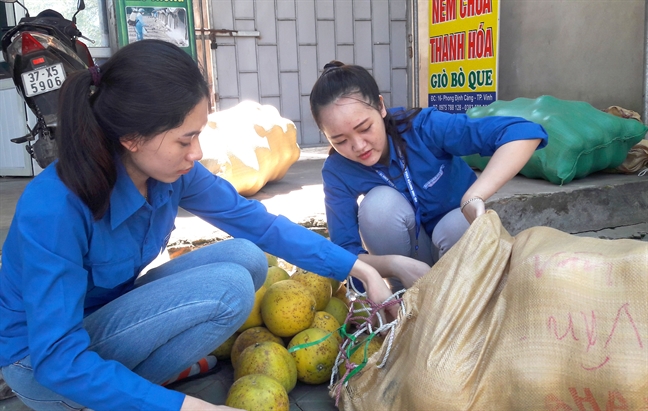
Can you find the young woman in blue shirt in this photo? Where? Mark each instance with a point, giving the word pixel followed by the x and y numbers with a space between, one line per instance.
pixel 417 195
pixel 78 327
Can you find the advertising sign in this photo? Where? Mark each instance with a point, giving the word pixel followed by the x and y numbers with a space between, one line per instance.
pixel 168 20
pixel 462 54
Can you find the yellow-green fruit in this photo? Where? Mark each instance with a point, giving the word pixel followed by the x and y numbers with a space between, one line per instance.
pixel 275 274
pixel 335 285
pixel 254 319
pixel 225 349
pixel 341 294
pixel 327 322
pixel 272 260
pixel 314 363
pixel 338 309
pixel 287 308
pixel 360 310
pixel 249 337
pixel 258 392
pixel 271 359
pixel 358 355
pixel 318 286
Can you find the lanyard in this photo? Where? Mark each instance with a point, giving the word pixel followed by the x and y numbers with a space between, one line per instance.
pixel 410 187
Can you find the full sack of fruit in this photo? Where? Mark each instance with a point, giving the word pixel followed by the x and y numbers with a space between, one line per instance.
pixel 249 145
pixel 541 321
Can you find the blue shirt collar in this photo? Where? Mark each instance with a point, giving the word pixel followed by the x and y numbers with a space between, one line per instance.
pixel 393 157
pixel 125 199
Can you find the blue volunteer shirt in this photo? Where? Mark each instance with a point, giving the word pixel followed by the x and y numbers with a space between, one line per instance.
pixel 440 177
pixel 59 265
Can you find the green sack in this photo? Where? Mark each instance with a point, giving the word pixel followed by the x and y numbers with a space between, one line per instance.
pixel 582 139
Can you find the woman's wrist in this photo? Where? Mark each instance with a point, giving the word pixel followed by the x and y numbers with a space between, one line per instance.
pixel 365 272
pixel 471 199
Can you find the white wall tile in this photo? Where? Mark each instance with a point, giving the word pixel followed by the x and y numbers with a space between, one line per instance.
pixel 266 22
pixel 290 96
pixel 243 9
pixel 363 44
pixel 268 71
pixel 306 22
pixel 227 72
pixel 249 86
pixel 285 9
pixel 325 42
pixel 287 43
pixel 382 68
pixel 307 68
pixel 324 9
pixel 343 22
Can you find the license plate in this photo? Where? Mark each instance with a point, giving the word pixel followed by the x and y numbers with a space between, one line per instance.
pixel 42 80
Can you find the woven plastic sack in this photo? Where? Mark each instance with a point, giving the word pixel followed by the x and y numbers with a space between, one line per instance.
pixel 540 321
pixel 582 139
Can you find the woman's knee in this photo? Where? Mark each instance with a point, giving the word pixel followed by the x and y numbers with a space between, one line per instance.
pixel 237 251
pixel 384 206
pixel 227 285
pixel 386 222
pixel 250 256
pixel 449 230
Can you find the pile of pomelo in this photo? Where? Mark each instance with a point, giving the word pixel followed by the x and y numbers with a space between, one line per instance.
pixel 292 334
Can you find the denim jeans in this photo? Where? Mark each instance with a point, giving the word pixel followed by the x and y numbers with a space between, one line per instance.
pixel 178 313
pixel 387 226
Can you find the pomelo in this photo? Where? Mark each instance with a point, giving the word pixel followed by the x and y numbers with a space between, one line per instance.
pixel 287 308
pixel 338 309
pixel 335 285
pixel 258 392
pixel 318 286
pixel 358 355
pixel 249 337
pixel 275 274
pixel 272 260
pixel 254 319
pixel 341 294
pixel 271 359
pixel 327 322
pixel 315 362
pixel 225 349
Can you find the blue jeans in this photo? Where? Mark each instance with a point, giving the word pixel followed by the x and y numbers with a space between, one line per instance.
pixel 178 313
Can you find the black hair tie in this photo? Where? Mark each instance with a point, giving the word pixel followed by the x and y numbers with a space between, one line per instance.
pixel 332 66
pixel 96 75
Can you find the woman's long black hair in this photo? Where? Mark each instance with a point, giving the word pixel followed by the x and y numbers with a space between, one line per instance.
pixel 144 89
pixel 348 80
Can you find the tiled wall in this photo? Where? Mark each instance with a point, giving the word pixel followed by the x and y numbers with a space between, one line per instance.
pixel 297 37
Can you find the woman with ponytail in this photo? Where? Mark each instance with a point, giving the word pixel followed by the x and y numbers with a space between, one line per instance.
pixel 419 195
pixel 80 327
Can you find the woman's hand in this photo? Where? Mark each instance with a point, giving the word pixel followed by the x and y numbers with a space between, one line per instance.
pixel 377 289
pixel 473 209
pixel 195 404
pixel 406 269
pixel 505 163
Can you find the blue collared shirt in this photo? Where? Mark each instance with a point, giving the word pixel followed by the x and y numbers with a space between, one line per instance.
pixel 59 265
pixel 440 177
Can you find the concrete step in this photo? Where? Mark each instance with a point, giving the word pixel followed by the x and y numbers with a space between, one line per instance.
pixel 598 202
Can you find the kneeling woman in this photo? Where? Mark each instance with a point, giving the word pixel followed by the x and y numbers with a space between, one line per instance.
pixel 419 195
pixel 78 328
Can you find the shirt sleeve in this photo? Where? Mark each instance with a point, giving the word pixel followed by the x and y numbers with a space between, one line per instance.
pixel 459 135
pixel 216 201
pixel 54 235
pixel 341 211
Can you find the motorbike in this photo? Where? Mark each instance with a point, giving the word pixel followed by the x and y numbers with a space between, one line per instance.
pixel 41 52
